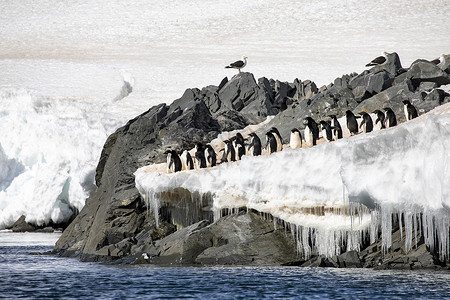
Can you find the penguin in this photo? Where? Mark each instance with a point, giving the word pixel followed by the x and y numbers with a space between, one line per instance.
pixel 367 123
pixel 311 131
pixel 173 161
pixel 278 138
pixel 295 140
pixel 410 110
pixel 380 118
pixel 271 144
pixel 390 119
pixel 352 124
pixel 199 158
pixel 239 145
pixel 326 131
pixel 336 126
pixel 229 154
pixel 255 143
pixel 210 156
pixel 186 161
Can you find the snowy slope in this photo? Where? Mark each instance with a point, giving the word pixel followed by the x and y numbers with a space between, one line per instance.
pixel 402 170
pixel 64 65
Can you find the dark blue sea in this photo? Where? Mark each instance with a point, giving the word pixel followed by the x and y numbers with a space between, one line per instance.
pixel 49 277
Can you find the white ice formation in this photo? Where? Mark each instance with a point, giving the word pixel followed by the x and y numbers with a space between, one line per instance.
pixel 335 194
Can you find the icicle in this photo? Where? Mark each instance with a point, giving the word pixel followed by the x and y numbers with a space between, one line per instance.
pixel 415 227
pixel 374 225
pixel 400 224
pixel 386 229
pixel 408 231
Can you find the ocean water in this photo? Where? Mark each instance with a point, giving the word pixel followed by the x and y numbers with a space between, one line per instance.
pixel 49 277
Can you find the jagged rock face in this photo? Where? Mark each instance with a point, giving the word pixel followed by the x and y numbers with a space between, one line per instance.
pixel 115 212
pixel 115 222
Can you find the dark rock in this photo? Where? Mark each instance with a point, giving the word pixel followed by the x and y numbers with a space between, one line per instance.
pixel 242 92
pixel 22 226
pixel 424 71
pixel 427 86
pixel 242 239
pixel 349 259
pixel 320 261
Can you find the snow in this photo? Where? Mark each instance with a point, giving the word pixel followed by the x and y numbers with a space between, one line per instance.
pixel 402 170
pixel 67 69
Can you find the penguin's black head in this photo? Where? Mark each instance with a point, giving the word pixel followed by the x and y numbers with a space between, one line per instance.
pixel 199 146
pixel 349 113
pixel 377 111
pixel 307 120
pixel 294 130
pixel 406 102
pixel 239 135
pixel 168 151
pixel 332 116
pixel 387 108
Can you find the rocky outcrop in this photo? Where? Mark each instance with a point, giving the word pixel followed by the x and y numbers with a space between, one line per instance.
pixel 115 223
pixel 240 239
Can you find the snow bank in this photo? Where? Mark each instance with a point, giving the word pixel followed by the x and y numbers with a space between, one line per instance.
pixel 403 170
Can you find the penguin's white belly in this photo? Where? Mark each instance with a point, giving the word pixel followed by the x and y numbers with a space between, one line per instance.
pixel 295 141
pixel 308 136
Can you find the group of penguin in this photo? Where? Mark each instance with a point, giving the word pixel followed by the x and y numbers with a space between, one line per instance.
pixel 235 147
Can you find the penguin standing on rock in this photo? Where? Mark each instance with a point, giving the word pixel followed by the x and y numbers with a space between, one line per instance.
pixel 336 126
pixel 255 144
pixel 326 131
pixel 380 119
pixel 295 140
pixel 210 156
pixel 186 161
pixel 173 161
pixel 311 131
pixel 278 138
pixel 410 110
pixel 366 124
pixel 271 144
pixel 199 158
pixel 391 119
pixel 352 124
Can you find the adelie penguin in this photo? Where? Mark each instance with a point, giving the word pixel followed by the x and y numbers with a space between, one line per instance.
pixel 271 144
pixel 173 161
pixel 391 119
pixel 367 123
pixel 255 145
pixel 229 153
pixel 311 131
pixel 410 110
pixel 278 138
pixel 239 145
pixel 380 118
pixel 352 124
pixel 186 161
pixel 295 140
pixel 336 126
pixel 210 156
pixel 326 131
pixel 199 158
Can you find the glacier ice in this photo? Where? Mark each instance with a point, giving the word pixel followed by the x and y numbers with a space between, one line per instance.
pixel 335 194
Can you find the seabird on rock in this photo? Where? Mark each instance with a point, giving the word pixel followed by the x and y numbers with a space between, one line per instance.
pixel 440 61
pixel 379 60
pixel 238 64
